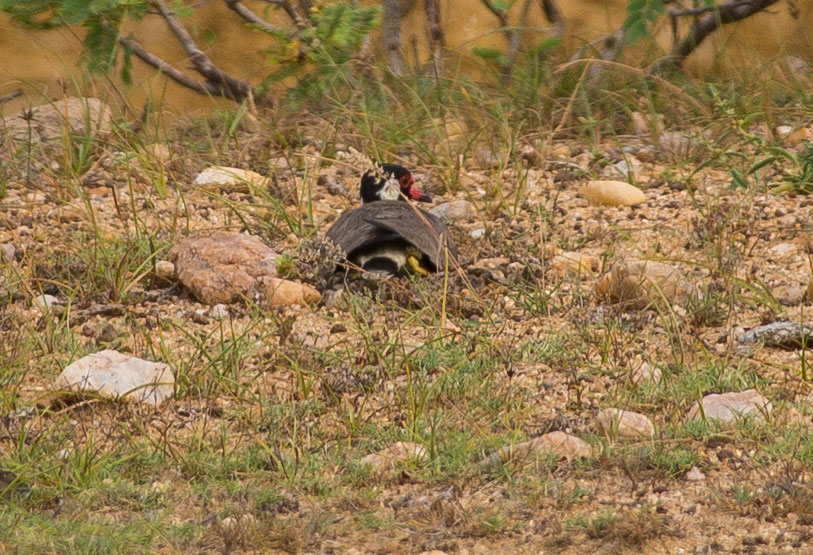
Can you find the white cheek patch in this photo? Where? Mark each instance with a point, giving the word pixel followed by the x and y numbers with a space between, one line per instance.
pixel 391 190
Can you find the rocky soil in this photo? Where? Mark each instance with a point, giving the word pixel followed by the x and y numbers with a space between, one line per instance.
pixel 593 377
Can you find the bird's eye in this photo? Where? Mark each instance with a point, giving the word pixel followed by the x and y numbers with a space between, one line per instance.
pixel 405 180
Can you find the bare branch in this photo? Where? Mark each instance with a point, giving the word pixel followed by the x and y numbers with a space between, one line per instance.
pixel 499 14
pixel 11 96
pixel 554 15
pixel 392 19
pixel 436 39
pixel 167 69
pixel 230 87
pixel 295 12
pixel 700 10
pixel 733 11
pixel 240 9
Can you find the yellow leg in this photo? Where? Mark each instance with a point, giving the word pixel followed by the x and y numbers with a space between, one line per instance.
pixel 415 265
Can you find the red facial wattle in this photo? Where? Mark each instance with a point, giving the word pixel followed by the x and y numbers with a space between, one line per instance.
pixel 411 191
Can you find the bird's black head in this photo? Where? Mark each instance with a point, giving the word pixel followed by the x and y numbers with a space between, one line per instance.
pixel 390 182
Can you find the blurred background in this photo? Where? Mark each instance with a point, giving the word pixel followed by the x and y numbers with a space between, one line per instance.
pixel 46 64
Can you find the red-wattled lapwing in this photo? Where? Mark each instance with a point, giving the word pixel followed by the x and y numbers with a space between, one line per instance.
pixel 388 234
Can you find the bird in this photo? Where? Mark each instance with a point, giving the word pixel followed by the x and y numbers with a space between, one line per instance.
pixel 388 234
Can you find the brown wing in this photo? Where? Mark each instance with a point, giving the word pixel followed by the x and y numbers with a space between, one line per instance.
pixel 382 221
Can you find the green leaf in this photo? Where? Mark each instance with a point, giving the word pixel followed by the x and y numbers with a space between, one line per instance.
pixel 761 164
pixel 127 65
pixel 641 13
pixel 501 6
pixel 738 179
pixel 75 12
pixel 488 53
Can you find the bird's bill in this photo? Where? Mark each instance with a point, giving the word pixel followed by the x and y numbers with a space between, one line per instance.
pixel 417 195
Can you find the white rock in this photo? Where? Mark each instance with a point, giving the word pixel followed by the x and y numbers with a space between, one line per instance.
pixel 219 311
pixel 45 302
pixel 695 475
pixel 783 131
pixel 232 179
pixel 728 407
pixel 624 424
pixel 477 233
pixel 113 374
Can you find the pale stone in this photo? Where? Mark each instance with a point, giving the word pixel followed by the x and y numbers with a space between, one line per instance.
pixel 728 407
pixel 399 452
pixel 790 295
pixel 219 311
pixel 158 152
pixel 454 210
pixel 221 178
pixel 45 302
pixel 695 475
pixel 486 159
pixel 491 263
pixel 613 193
pixel 645 373
pixel 781 335
pixel 7 252
pixel 783 131
pixel 282 292
pixel 566 263
pixel 561 152
pixel 782 250
pixel 639 282
pixel 624 424
pixel 113 374
pixel 49 122
pixel 558 443
pixel 676 143
pixel 165 270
